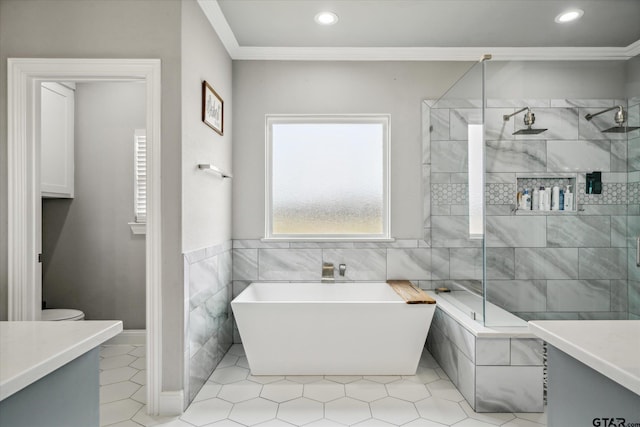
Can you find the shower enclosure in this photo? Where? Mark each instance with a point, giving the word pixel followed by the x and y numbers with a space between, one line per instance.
pixel 507 127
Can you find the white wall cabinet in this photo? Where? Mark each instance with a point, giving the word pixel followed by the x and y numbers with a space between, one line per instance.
pixel 57 141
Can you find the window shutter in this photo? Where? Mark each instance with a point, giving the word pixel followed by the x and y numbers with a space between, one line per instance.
pixel 140 171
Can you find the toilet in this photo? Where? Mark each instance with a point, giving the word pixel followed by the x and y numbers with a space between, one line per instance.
pixel 61 314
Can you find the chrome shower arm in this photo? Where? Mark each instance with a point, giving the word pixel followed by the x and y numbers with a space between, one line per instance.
pixel 506 117
pixel 591 116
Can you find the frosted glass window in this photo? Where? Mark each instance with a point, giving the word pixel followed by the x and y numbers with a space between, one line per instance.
pixel 327 177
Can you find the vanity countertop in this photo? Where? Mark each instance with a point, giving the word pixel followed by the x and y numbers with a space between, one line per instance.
pixel 610 347
pixel 31 350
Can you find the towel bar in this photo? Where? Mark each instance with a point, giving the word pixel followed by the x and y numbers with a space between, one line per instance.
pixel 209 166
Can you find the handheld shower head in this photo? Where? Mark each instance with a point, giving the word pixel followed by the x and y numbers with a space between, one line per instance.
pixel 529 119
pixel 620 119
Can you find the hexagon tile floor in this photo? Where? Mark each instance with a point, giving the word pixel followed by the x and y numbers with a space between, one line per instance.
pixel 232 397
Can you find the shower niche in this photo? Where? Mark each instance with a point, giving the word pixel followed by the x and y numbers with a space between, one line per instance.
pixel 533 181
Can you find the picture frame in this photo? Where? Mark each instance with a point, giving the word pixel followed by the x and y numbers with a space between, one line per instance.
pixel 212 108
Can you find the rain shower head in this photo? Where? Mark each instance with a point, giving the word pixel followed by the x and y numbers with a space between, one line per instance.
pixel 621 129
pixel 620 119
pixel 529 119
pixel 528 131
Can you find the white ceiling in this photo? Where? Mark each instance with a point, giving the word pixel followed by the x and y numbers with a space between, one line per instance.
pixel 426 29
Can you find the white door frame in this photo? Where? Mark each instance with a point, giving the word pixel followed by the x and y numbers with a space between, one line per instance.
pixel 23 168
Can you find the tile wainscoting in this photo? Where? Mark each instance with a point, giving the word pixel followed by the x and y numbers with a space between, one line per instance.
pixel 255 260
pixel 515 362
pixel 208 318
pixel 493 374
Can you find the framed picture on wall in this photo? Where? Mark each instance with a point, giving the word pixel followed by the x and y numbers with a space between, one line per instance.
pixel 212 108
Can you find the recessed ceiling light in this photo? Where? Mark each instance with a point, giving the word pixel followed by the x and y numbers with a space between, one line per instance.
pixel 326 18
pixel 569 15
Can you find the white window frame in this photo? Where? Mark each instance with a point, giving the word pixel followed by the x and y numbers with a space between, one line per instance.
pixel 138 226
pixel 383 119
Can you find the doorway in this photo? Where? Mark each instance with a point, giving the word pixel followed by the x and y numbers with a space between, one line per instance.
pixel 25 76
pixel 93 258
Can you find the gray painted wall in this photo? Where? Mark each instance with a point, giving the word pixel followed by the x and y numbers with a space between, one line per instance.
pixel 633 77
pixel 559 79
pixel 92 261
pixel 206 203
pixel 206 198
pixel 397 88
pixel 110 29
pixel 268 87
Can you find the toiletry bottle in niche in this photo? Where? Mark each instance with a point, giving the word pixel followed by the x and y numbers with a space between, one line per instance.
pixel 561 199
pixel 568 199
pixel 535 200
pixel 541 201
pixel 526 199
pixel 555 198
pixel 545 199
pixel 519 200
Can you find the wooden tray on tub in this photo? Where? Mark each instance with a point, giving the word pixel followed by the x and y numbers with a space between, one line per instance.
pixel 410 293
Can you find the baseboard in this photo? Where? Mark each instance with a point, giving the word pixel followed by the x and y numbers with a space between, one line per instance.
pixel 130 337
pixel 171 403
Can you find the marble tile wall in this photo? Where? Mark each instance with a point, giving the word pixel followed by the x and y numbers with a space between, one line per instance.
pixel 557 265
pixel 493 374
pixel 208 318
pixel 255 260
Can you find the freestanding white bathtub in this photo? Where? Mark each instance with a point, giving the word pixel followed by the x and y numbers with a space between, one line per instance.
pixel 330 329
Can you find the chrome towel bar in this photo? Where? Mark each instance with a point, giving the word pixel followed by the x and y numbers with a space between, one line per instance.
pixel 209 166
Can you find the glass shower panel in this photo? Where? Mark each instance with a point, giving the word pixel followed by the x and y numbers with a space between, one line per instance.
pixel 630 300
pixel 544 261
pixel 452 163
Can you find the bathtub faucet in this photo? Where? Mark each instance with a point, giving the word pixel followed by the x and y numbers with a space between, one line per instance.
pixel 327 272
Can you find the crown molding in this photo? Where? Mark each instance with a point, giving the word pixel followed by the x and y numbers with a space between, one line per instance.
pixel 214 14
pixel 216 18
pixel 633 49
pixel 432 53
